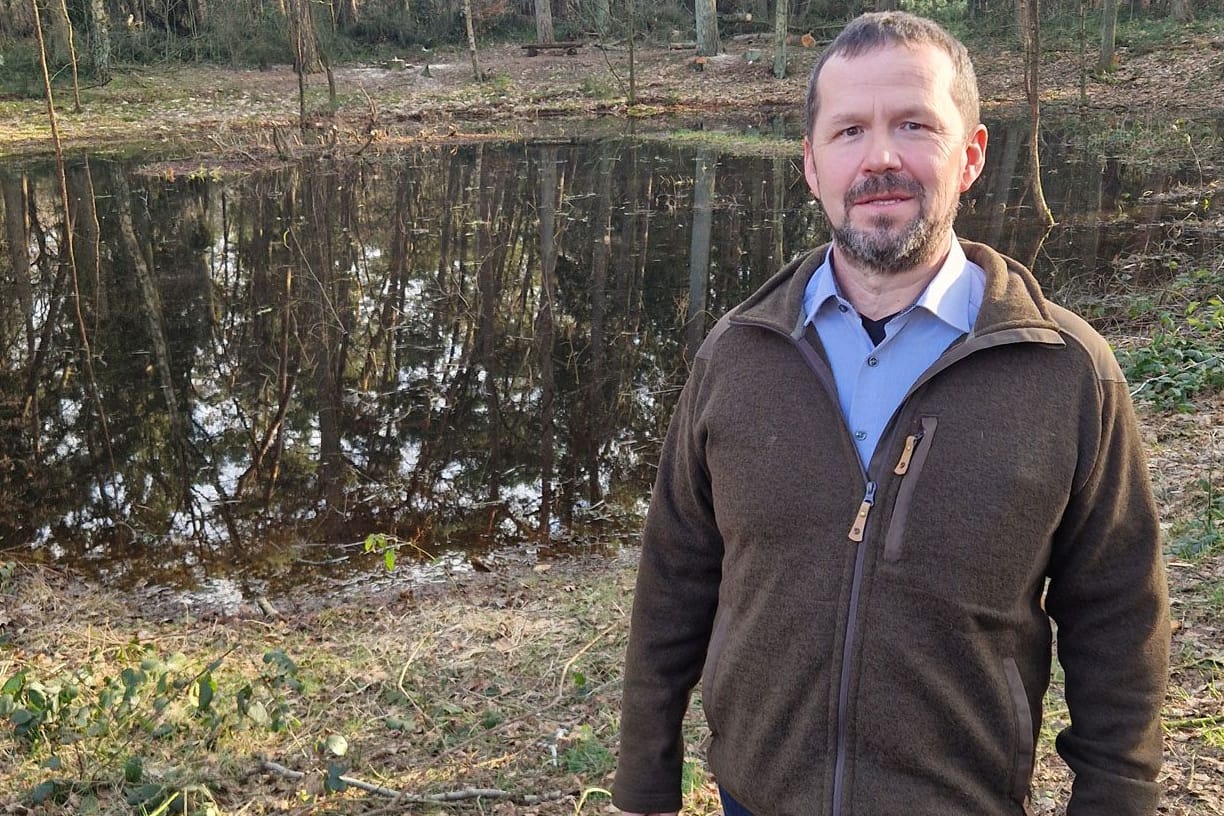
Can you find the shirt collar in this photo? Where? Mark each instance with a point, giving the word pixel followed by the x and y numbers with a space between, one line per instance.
pixel 953 295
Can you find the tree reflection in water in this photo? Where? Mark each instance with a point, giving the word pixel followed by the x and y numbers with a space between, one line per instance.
pixel 463 347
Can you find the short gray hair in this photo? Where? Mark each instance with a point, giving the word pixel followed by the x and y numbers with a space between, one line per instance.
pixel 880 29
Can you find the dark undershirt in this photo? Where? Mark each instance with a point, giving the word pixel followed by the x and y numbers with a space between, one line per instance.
pixel 875 328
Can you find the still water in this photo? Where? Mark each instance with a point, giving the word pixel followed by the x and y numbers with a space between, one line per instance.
pixel 468 349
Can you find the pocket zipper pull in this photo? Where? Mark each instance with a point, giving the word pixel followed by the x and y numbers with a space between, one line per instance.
pixel 911 442
pixel 860 521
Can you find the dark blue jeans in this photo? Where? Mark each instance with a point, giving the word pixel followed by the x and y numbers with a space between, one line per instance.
pixel 730 806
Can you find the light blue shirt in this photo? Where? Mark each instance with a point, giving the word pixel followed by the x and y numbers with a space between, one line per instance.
pixel 872 380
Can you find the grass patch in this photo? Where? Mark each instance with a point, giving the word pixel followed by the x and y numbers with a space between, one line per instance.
pixel 512 685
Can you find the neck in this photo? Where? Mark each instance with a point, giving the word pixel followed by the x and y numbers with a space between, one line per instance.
pixel 876 294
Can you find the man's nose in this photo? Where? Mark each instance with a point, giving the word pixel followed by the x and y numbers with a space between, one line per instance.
pixel 882 155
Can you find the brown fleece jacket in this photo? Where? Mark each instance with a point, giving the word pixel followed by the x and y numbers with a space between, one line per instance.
pixel 876 644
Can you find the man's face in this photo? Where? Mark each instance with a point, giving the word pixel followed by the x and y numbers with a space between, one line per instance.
pixel 888 155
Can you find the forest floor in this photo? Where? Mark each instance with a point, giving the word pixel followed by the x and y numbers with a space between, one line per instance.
pixel 505 680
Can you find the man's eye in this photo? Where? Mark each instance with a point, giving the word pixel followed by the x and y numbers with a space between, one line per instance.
pixel 912 126
pixel 853 130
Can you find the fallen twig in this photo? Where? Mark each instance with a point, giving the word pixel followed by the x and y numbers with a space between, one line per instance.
pixel 565 669
pixel 428 798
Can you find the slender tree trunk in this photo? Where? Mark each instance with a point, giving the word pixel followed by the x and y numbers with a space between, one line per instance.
pixel 471 36
pixel 1032 88
pixel 1083 51
pixel 72 57
pixel 632 52
pixel 544 21
pixel 708 43
pixel 1109 27
pixel 781 19
pixel 305 42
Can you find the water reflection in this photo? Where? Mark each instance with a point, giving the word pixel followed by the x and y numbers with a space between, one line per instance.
pixel 461 347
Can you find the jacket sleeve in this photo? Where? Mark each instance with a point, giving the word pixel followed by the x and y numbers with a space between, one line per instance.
pixel 673 612
pixel 1108 596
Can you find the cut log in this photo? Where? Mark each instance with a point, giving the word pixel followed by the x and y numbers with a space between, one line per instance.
pixel 570 48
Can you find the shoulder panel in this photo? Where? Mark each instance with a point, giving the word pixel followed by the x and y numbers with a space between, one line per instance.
pixel 1078 330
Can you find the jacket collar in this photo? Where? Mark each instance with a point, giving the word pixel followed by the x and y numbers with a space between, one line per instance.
pixel 1012 299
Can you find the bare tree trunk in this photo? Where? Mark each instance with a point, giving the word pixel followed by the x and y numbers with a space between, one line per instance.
pixel 544 26
pixel 1109 27
pixel 72 56
pixel 471 35
pixel 632 52
pixel 1182 10
pixel 708 43
pixel 99 40
pixel 1083 51
pixel 1032 88
pixel 781 15
pixel 302 36
pixel 58 33
pixel 345 14
pixel 602 12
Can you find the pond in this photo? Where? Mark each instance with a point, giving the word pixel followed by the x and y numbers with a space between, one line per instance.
pixel 468 353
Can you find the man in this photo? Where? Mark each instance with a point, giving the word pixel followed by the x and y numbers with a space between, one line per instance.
pixel 890 469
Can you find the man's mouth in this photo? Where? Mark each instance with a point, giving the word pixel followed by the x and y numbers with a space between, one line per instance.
pixel 887 190
pixel 884 199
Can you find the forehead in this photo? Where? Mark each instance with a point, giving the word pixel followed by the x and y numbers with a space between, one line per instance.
pixel 919 74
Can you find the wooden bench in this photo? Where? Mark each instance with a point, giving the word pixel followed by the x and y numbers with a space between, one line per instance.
pixel 570 48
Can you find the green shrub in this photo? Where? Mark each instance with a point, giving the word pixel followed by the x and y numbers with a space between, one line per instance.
pixel 1184 358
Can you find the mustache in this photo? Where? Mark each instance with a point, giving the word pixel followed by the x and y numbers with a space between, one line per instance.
pixel 883 185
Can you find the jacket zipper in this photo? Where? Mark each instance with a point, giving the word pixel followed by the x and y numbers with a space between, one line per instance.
pixel 858 531
pixel 825 376
pixel 860 521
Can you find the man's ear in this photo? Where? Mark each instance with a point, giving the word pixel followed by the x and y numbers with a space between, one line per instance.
pixel 975 157
pixel 809 168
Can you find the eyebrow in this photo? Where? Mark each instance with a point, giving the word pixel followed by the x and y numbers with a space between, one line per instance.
pixel 921 112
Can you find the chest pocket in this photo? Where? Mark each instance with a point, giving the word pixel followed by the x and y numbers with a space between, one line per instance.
pixel 974 513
